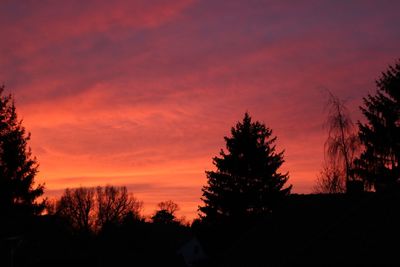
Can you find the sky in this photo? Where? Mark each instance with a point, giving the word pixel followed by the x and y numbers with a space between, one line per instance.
pixel 141 93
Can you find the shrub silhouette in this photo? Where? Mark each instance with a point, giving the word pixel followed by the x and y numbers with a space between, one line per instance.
pixel 165 213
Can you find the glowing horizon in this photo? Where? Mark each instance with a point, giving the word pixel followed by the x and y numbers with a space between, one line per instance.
pixel 141 94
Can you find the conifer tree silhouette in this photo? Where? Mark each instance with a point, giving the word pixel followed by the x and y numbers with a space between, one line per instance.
pixel 379 163
pixel 17 166
pixel 247 181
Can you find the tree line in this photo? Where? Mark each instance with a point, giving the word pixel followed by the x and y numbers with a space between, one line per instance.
pixel 247 182
pixel 364 156
pixel 91 209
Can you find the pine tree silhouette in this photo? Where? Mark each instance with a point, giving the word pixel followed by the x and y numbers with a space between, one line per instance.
pixel 379 164
pixel 247 181
pixel 17 166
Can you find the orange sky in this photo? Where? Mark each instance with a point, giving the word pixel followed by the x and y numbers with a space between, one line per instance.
pixel 141 93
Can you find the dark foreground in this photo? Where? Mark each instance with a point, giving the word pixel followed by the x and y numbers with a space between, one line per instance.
pixel 307 229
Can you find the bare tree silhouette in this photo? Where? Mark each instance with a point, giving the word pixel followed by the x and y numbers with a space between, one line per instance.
pixel 90 209
pixel 77 206
pixel 330 180
pixel 114 204
pixel 340 148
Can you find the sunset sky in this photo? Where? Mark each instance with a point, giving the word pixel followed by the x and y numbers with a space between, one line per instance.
pixel 141 93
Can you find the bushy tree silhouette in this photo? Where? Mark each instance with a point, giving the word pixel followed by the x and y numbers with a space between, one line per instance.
pixel 18 168
pixel 165 213
pixel 247 181
pixel 379 163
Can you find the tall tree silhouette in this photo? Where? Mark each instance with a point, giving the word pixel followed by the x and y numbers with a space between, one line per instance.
pixel 379 163
pixel 18 168
pixel 340 148
pixel 247 181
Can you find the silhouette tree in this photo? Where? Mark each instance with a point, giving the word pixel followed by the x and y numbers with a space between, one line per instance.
pixel 330 180
pixel 90 209
pixel 340 148
pixel 166 213
pixel 114 204
pixel 247 181
pixel 18 168
pixel 78 207
pixel 378 165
